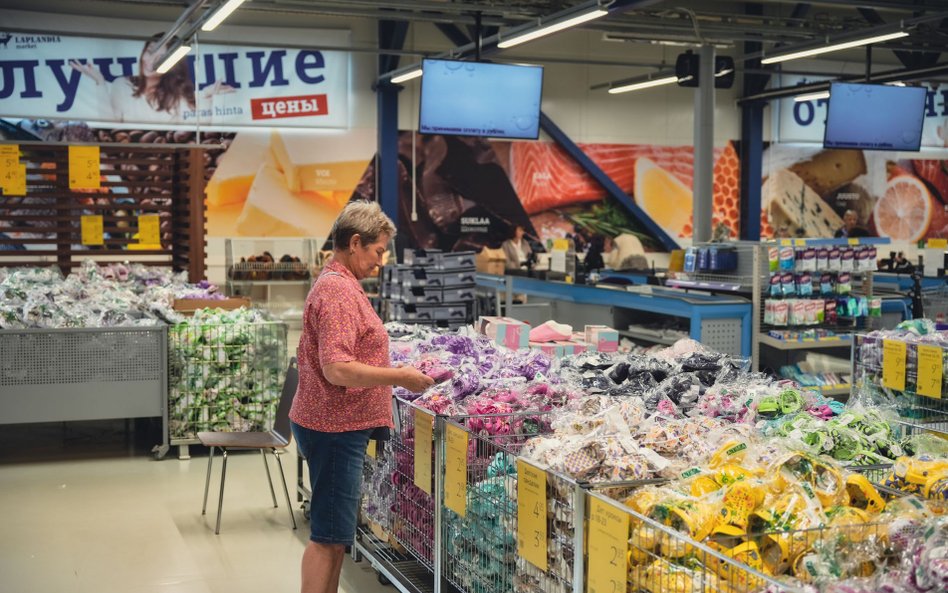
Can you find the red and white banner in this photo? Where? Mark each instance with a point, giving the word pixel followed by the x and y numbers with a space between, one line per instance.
pixel 223 86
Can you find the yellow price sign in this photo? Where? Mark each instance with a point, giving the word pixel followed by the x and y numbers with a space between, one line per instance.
pixel 149 229
pixel 531 514
pixel 371 449
pixel 799 242
pixel 91 225
pixel 424 434
pixel 455 469
pixel 854 241
pixel 930 371
pixel 893 364
pixel 786 242
pixel 608 543
pixel 84 167
pixel 937 244
pixel 561 245
pixel 12 173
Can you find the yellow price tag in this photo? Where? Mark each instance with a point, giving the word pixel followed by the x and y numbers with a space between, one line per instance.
pixel 149 229
pixel 455 469
pixel 854 241
pixel 424 434
pixel 84 167
pixel 91 225
pixel 561 245
pixel 786 242
pixel 531 514
pixel 799 242
pixel 608 543
pixel 13 180
pixel 371 449
pixel 937 244
pixel 893 364
pixel 930 371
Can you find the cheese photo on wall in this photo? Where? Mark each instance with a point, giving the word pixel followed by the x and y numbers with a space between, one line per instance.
pixel 286 183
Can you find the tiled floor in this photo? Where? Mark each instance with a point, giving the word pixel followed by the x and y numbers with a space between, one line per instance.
pixel 84 508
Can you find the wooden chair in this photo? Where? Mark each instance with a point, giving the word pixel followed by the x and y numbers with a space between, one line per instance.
pixel 275 441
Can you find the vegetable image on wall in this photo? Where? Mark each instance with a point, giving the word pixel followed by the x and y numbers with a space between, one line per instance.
pixel 807 192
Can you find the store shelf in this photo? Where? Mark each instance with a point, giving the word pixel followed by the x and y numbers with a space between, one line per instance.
pixel 272 282
pixel 405 573
pixel 820 242
pixel 805 344
pixel 831 390
pixel 704 285
pixel 650 337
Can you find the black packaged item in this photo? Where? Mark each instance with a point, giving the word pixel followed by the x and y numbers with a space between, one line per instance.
pixel 594 382
pixel 619 373
pixel 639 382
pixel 723 259
pixel 682 388
pixel 704 259
pixel 656 368
pixel 701 362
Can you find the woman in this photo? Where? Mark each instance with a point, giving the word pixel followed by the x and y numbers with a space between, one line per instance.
pixel 344 389
pixel 516 249
pixel 150 96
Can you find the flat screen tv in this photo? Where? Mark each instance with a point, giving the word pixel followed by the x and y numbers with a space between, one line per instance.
pixel 875 117
pixel 480 99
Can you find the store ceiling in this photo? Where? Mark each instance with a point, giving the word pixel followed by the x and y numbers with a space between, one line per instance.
pixel 724 23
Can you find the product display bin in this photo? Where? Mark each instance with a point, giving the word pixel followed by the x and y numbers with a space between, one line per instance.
pixel 224 377
pixel 52 375
pixel 896 383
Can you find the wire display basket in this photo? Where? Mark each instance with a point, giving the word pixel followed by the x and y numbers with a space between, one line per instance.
pixel 413 511
pixel 935 304
pixel 917 413
pixel 224 377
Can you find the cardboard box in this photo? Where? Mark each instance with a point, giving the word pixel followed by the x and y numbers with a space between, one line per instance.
pixel 491 261
pixel 506 331
pixel 552 349
pixel 580 338
pixel 571 348
pixel 189 306
pixel 604 338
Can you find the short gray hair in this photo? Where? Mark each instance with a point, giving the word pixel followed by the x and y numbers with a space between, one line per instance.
pixel 362 218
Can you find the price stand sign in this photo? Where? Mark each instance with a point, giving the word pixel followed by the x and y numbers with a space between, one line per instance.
pixel 531 514
pixel 455 469
pixel 930 371
pixel 424 434
pixel 371 449
pixel 91 229
pixel 608 543
pixel 149 229
pixel 893 364
pixel 84 167
pixel 12 173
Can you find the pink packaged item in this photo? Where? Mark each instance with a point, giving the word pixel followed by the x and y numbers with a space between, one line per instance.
pixel 570 347
pixel 604 338
pixel 505 331
pixel 551 331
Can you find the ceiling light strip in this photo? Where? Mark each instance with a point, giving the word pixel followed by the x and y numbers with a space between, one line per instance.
pixel 645 84
pixel 554 27
pixel 812 96
pixel 406 76
pixel 172 58
pixel 806 53
pixel 220 14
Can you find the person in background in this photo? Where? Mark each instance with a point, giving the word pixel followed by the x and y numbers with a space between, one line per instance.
pixel 345 388
pixel 598 245
pixel 516 249
pixel 580 242
pixel 851 226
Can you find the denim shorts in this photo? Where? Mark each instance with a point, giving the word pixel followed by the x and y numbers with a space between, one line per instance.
pixel 335 477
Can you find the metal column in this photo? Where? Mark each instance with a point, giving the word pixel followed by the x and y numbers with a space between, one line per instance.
pixel 704 146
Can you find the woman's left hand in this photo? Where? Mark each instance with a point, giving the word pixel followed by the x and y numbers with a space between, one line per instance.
pixel 219 88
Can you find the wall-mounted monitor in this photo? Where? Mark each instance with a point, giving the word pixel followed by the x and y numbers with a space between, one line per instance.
pixel 480 99
pixel 875 117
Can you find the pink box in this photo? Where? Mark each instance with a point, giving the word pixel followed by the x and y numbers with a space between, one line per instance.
pixel 572 347
pixel 604 338
pixel 552 349
pixel 506 331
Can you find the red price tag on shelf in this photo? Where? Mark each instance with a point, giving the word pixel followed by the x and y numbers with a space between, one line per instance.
pixel 84 167
pixel 893 364
pixel 531 514
pixel 930 371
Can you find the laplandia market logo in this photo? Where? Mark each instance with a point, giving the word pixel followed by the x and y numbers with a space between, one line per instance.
pixel 26 41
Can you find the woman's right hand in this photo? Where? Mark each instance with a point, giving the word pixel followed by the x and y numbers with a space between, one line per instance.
pixel 413 380
pixel 89 70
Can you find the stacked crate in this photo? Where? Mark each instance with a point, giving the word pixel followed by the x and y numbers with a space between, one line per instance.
pixel 431 288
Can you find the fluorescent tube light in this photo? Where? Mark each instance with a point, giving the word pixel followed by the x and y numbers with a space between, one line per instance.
pixel 544 30
pixel 805 53
pixel 222 13
pixel 645 84
pixel 812 96
pixel 172 58
pixel 411 74
pixel 723 72
pixel 896 83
